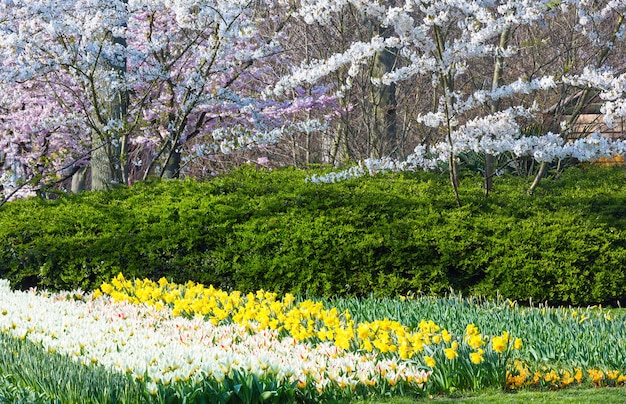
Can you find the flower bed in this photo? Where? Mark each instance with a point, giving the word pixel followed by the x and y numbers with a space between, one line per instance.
pixel 162 349
pixel 193 341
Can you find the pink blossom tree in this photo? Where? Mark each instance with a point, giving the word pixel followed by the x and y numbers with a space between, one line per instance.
pixel 132 88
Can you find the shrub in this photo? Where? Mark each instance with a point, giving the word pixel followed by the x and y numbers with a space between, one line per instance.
pixel 383 235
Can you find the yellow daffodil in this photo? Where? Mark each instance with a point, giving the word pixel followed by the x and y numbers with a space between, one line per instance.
pixel 445 335
pixel 499 344
pixel 477 357
pixel 471 329
pixel 430 361
pixel 450 353
pixel 475 341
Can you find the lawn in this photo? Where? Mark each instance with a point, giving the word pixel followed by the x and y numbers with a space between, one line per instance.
pixel 568 396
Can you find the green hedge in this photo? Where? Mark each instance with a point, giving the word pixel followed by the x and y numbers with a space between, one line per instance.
pixel 386 235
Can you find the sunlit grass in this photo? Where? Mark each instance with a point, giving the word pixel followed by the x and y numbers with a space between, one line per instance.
pixel 567 396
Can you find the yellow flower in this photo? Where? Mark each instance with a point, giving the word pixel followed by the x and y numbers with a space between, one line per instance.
pixel 536 377
pixel 499 344
pixel 578 375
pixel 551 377
pixel 363 330
pixel 428 326
pixel 475 341
pixel 445 335
pixel 596 376
pixel 430 361
pixel 567 379
pixel 471 329
pixel 367 345
pixel 477 357
pixel 156 293
pixel 403 351
pixel 450 353
pixel 106 288
pixel 517 345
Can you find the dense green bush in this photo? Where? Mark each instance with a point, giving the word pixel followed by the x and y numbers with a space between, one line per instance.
pixel 386 235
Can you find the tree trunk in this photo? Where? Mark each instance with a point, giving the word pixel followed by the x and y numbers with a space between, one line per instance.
pixel 384 104
pixel 172 165
pixel 542 171
pixel 495 106
pixel 446 80
pixel 78 180
pixel 106 169
pixel 108 157
pixel 339 149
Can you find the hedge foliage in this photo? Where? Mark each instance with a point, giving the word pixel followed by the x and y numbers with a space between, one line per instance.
pixel 383 235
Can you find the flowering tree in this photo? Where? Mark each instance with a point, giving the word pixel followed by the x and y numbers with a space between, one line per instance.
pixel 131 88
pixel 601 28
pixel 442 41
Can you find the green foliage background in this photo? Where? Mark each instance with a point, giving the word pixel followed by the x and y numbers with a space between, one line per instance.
pixel 383 235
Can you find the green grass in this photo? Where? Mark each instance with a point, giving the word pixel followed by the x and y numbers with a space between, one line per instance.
pixel 569 396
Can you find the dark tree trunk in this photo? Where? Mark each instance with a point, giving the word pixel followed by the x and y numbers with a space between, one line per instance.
pixel 110 148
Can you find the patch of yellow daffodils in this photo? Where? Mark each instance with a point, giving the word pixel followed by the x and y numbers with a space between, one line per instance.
pixel 520 376
pixel 303 320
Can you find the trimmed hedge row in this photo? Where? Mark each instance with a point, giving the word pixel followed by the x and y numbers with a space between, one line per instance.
pixel 386 235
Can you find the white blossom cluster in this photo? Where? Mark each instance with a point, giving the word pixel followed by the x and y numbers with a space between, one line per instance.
pixel 310 126
pixel 473 26
pixel 610 86
pixel 338 176
pixel 520 86
pixel 236 138
pixel 320 11
pixel 614 111
pixel 547 148
pixel 418 160
pixel 310 73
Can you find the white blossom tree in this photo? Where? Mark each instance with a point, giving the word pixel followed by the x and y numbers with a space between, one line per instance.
pixel 441 41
